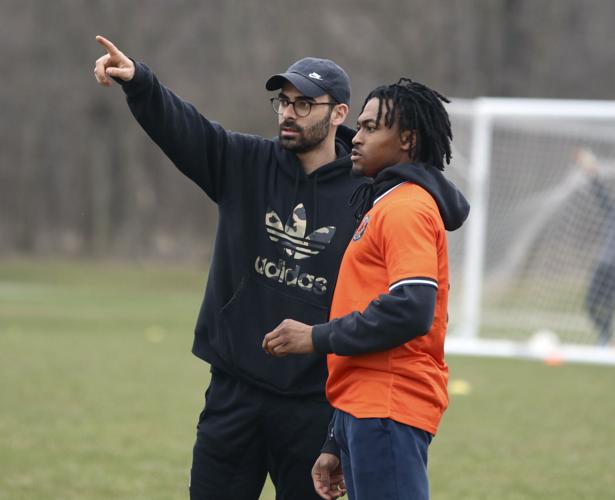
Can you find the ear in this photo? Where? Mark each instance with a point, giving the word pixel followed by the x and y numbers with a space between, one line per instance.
pixel 408 141
pixel 339 114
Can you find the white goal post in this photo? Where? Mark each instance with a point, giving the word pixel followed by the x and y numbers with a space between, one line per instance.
pixel 526 275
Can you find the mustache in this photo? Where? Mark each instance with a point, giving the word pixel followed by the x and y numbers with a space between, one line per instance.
pixel 291 126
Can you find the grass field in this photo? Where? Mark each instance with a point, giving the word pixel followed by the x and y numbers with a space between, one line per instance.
pixel 99 395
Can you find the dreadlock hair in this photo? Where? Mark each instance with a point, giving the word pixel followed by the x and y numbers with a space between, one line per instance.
pixel 419 109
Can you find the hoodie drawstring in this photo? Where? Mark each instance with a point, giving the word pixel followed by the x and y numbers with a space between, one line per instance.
pixel 295 190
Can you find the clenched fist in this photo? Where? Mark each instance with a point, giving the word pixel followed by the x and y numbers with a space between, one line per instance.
pixel 289 337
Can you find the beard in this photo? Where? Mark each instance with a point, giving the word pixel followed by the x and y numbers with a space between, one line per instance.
pixel 308 138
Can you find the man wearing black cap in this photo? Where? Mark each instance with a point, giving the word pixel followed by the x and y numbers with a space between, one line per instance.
pixel 284 222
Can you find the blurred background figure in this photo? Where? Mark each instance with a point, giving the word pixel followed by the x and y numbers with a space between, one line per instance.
pixel 600 298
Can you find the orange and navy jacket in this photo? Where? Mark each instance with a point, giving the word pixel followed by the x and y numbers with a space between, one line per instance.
pixel 385 337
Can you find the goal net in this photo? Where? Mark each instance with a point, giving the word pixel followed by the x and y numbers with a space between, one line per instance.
pixel 533 272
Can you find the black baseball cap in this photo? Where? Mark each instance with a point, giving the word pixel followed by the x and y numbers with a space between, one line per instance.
pixel 314 77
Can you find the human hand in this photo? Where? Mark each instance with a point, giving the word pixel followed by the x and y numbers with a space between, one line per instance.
pixel 328 477
pixel 289 337
pixel 587 160
pixel 113 63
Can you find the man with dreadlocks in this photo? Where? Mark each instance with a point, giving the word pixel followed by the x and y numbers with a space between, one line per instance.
pixel 385 338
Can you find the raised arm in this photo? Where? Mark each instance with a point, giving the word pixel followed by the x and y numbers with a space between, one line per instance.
pixel 200 149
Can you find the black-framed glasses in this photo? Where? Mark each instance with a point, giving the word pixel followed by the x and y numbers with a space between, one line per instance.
pixel 302 107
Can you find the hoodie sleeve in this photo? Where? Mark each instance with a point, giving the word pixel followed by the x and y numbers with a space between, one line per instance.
pixel 601 193
pixel 408 240
pixel 198 148
pixel 330 445
pixel 389 321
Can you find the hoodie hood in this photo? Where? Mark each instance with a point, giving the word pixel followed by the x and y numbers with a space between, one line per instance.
pixel 453 206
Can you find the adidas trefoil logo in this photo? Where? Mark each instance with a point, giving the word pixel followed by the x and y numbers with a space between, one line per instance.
pixel 315 76
pixel 291 238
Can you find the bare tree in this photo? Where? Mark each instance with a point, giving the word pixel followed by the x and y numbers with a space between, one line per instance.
pixel 78 176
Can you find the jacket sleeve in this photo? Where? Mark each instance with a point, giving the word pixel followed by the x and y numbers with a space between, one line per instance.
pixel 601 193
pixel 388 321
pixel 330 445
pixel 198 148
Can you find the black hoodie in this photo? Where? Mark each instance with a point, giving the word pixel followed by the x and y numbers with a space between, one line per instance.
pixel 280 239
pixel 407 311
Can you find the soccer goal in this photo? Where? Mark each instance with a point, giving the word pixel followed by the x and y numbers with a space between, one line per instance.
pixel 530 273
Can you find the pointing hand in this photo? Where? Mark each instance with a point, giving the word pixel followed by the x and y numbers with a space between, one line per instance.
pixel 113 63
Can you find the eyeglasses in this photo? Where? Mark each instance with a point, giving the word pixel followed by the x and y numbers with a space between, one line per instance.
pixel 302 107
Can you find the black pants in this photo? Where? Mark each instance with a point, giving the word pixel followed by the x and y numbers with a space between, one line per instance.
pixel 245 433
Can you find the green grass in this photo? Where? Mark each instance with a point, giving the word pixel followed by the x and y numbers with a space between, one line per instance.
pixel 526 431
pixel 99 396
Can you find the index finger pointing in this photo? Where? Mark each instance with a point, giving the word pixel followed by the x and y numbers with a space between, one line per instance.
pixel 111 49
